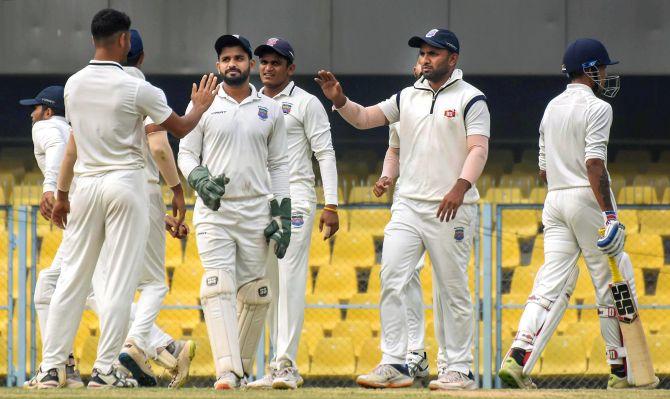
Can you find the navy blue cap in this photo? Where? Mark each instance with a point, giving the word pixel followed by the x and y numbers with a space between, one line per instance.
pixel 230 41
pixel 584 53
pixel 440 38
pixel 277 45
pixel 136 46
pixel 52 97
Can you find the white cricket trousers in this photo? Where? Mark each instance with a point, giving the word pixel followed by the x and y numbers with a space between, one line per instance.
pixel 151 283
pixel 413 228
pixel 571 219
pixel 110 209
pixel 288 279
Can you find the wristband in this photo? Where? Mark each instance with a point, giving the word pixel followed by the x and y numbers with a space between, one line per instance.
pixel 609 216
pixel 326 208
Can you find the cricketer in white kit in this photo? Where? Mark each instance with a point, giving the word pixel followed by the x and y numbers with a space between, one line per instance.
pixel 416 359
pixel 574 133
pixel 105 107
pixel 444 130
pixel 308 132
pixel 241 141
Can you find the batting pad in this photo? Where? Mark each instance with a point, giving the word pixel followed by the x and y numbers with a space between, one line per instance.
pixel 217 292
pixel 253 301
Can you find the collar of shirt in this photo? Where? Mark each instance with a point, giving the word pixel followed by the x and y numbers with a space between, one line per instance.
pixel 288 90
pixel 135 71
pixel 105 63
pixel 423 84
pixel 254 96
pixel 580 87
pixel 58 118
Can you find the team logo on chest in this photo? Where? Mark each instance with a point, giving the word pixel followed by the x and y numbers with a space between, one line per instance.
pixel 262 113
pixel 450 113
pixel 297 220
pixel 459 233
pixel 286 108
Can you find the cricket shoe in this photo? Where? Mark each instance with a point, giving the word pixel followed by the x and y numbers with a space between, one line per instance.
pixel 287 378
pixel 176 358
pixel 228 380
pixel 616 382
pixel 511 373
pixel 264 382
pixel 72 376
pixel 417 364
pixel 136 361
pixel 50 379
pixel 386 376
pixel 453 381
pixel 114 379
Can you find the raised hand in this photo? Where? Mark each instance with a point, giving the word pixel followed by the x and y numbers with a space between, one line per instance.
pixel 203 95
pixel 331 88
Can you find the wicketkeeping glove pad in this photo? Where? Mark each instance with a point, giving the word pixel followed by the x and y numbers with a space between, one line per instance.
pixel 279 229
pixel 210 188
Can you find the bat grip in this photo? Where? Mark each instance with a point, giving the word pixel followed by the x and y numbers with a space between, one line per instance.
pixel 614 268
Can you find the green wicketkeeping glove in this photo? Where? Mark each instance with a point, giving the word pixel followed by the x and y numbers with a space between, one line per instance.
pixel 210 189
pixel 279 229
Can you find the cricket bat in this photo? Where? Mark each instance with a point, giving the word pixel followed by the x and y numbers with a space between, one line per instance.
pixel 638 358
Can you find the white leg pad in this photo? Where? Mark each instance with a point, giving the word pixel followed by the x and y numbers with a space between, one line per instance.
pixel 253 301
pixel 217 292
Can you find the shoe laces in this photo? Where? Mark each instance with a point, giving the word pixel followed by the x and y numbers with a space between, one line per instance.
pixel 385 370
pixel 455 376
pixel 285 372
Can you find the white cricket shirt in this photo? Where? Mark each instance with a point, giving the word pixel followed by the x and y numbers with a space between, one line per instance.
pixel 575 127
pixel 432 131
pixel 106 108
pixel 150 166
pixel 246 141
pixel 308 131
pixel 394 140
pixel 49 141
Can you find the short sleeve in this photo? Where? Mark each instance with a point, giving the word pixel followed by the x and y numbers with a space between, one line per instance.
pixel 598 124
pixel 151 102
pixel 394 139
pixel 391 108
pixel 478 119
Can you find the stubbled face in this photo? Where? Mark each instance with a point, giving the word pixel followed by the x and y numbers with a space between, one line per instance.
pixel 436 63
pixel 274 70
pixel 234 65
pixel 40 113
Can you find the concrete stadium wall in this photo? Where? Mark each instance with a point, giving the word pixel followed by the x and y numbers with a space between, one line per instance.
pixel 348 36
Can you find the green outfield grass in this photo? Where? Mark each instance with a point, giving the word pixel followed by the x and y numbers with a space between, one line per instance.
pixel 327 393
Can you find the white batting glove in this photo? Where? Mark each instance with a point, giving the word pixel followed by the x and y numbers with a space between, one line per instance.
pixel 612 241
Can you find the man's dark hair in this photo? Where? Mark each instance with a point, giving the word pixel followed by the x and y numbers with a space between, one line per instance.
pixel 108 22
pixel 132 61
pixel 574 75
pixel 55 111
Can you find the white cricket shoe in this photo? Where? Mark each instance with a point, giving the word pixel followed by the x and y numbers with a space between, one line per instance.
pixel 385 376
pixel 287 378
pixel 135 360
pixel 453 381
pixel 263 383
pixel 228 380
pixel 417 364
pixel 50 379
pixel 114 379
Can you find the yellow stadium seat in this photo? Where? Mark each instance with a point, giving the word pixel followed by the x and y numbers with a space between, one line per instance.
pixel 629 217
pixel 597 363
pixel 369 356
pixel 584 329
pixel 372 220
pixel 645 250
pixel 320 197
pixel 659 346
pixel 191 254
pixel 522 280
pixel 324 314
pixel 662 287
pixel 355 249
pixel 485 182
pixel 537 254
pixel 370 313
pixel 522 222
pixel 374 281
pixel 358 331
pixel 312 332
pixel 504 157
pixel 176 321
pixel 659 181
pixel 363 194
pixel 537 195
pixel 511 253
pixel 302 360
pixel 564 355
pixel 654 222
pixel 426 280
pixel 86 356
pixel 338 281
pixel 174 252
pixel 185 287
pixel 504 195
pixel 641 195
pixel 319 251
pixel 48 247
pixel 334 356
